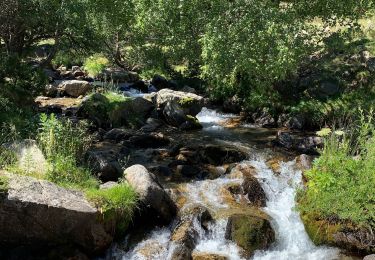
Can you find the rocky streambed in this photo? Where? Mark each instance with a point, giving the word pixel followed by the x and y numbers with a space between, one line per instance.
pixel 211 186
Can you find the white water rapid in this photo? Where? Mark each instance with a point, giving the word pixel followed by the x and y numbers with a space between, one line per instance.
pixel 292 241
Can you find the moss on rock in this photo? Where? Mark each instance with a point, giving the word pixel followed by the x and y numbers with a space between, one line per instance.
pixel 250 232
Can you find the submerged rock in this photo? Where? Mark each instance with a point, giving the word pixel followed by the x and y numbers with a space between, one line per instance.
pixel 219 155
pixel 39 213
pixel 250 186
pixel 250 232
pixel 186 234
pixel 208 256
pixel 157 203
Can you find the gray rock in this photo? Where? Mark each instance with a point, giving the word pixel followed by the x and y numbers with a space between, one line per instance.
pixel 191 103
pixel 151 193
pixel 103 160
pixel 75 88
pixel 37 212
pixel 186 233
pixel 232 105
pixel 188 90
pixel 369 257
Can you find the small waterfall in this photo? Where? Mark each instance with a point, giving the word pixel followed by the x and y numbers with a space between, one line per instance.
pixel 292 240
pixel 212 120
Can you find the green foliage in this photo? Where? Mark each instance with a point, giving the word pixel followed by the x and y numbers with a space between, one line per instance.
pixel 341 181
pixel 65 172
pixel 94 65
pixel 67 58
pixel 64 144
pixel 119 202
pixel 62 137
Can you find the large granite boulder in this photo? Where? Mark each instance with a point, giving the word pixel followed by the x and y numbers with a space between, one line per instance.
pixel 156 201
pixel 39 213
pixel 191 103
pixel 74 88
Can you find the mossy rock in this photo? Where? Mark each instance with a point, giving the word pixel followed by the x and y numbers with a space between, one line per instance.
pixel 114 110
pixel 319 230
pixel 250 232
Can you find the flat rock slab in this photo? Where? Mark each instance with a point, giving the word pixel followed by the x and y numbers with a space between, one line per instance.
pixel 39 213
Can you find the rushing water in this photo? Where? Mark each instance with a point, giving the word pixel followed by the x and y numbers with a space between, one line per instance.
pixel 292 241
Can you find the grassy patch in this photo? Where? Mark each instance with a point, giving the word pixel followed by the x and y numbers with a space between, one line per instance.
pixel 118 202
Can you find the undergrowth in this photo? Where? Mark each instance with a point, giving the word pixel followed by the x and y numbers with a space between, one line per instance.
pixel 341 182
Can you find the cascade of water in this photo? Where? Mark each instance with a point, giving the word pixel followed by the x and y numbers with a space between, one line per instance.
pixel 292 241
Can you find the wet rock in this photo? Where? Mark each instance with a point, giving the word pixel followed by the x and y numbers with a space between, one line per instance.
pixel 118 134
pixel 153 140
pixel 232 105
pixel 264 118
pixel 188 171
pixel 175 115
pixel 103 160
pixel 285 139
pixel 152 124
pixel 157 203
pixel 254 191
pixel 250 232
pixel 39 213
pixel 186 234
pixel 310 144
pixel 208 256
pixel 75 88
pixel 250 186
pixel 219 155
pixel 304 162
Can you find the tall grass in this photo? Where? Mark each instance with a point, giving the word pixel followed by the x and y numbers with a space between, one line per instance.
pixel 341 182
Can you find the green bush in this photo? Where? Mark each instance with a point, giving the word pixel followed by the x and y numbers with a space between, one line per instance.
pixel 341 182
pixel 95 64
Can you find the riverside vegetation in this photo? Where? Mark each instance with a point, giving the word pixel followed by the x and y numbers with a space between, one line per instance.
pixel 300 67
